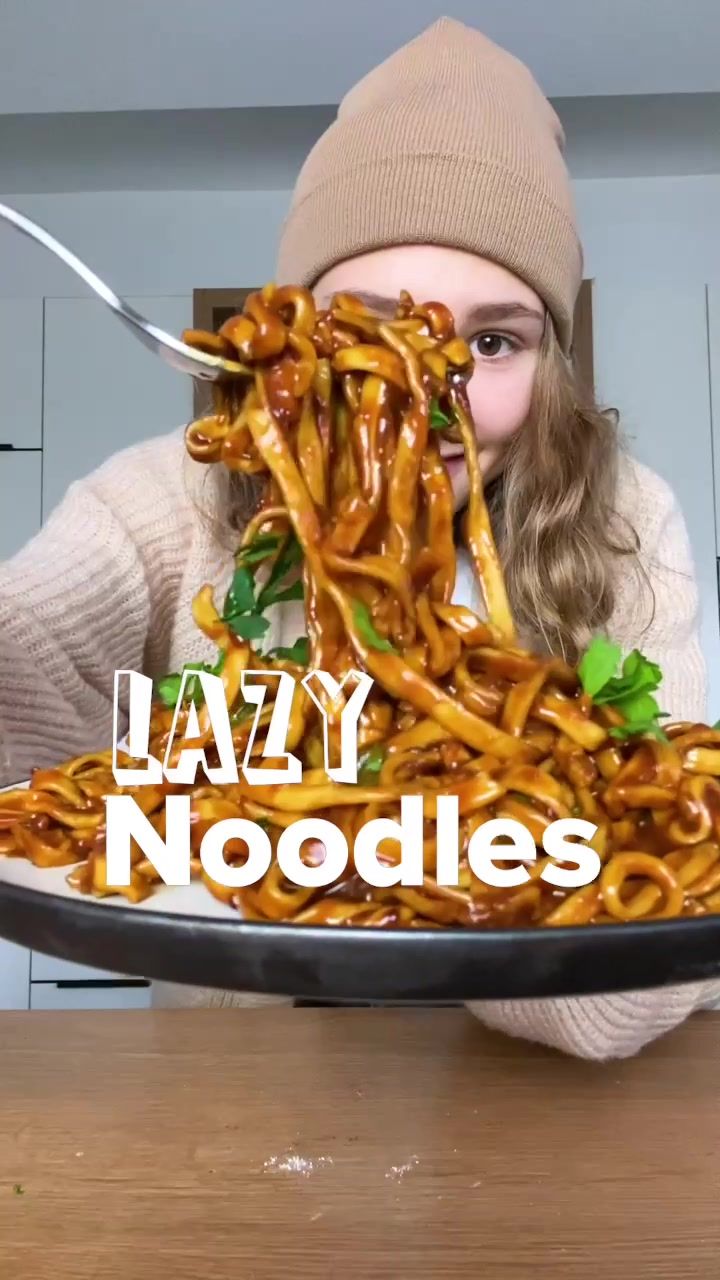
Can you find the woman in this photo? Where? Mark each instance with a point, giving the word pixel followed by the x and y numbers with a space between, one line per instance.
pixel 442 175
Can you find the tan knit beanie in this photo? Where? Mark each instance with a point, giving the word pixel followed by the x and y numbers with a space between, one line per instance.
pixel 449 141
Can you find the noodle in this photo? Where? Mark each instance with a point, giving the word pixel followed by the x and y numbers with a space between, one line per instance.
pixel 341 415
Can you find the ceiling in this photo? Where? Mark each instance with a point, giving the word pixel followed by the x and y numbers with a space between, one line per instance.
pixel 150 55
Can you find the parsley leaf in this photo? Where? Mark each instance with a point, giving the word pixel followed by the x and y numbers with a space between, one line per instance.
pixel 294 592
pixel 259 549
pixel 290 556
pixel 638 675
pixel 299 652
pixel 638 707
pixel 243 712
pixel 241 595
pixel 168 687
pixel 248 626
pixel 364 624
pixel 631 693
pixel 244 605
pixel 649 728
pixel 438 419
pixel 371 762
pixel 598 664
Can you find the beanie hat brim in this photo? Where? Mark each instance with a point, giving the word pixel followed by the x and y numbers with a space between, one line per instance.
pixel 491 210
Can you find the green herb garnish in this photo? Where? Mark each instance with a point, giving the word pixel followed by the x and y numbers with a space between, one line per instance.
pixel 168 688
pixel 244 712
pixel 293 592
pixel 598 665
pixel 259 549
pixel 438 419
pixel 290 556
pixel 248 626
pixel 241 596
pixel 244 602
pixel 364 624
pixel 18 1189
pixel 631 692
pixel 371 762
pixel 642 728
pixel 299 652
pixel 244 606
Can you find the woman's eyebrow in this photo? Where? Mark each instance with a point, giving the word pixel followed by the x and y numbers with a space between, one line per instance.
pixel 492 312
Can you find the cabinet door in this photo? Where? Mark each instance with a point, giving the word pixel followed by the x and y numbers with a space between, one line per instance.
pixel 56 995
pixel 21 360
pixel 651 348
pixel 14 976
pixel 19 519
pixel 20 489
pixel 51 969
pixel 103 389
pixel 713 312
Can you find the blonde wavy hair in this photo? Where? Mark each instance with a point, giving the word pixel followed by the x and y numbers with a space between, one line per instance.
pixel 562 542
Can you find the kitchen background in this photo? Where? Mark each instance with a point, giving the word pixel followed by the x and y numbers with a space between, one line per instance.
pixel 161 141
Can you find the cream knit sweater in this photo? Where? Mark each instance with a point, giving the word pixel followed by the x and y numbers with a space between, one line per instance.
pixel 108 583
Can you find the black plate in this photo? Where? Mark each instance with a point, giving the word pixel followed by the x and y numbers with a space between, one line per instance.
pixel 324 962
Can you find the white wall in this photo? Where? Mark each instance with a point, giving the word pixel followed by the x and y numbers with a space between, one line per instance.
pixel 262 149
pixel 145 242
pixel 653 250
pixel 663 229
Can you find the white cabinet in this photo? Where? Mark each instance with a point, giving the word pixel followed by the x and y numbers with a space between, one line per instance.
pixel 46 971
pixel 14 976
pixel 104 390
pixel 19 520
pixel 57 995
pixel 20 473
pixel 50 969
pixel 21 357
pixel 21 351
pixel 651 362
pixel 20 492
pixel 713 314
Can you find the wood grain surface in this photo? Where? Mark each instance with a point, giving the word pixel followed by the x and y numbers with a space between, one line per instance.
pixel 202 1145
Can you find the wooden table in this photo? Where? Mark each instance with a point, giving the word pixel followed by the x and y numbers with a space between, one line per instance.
pixel 273 1143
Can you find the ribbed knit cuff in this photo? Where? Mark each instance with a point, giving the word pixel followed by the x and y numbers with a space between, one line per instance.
pixel 597 1027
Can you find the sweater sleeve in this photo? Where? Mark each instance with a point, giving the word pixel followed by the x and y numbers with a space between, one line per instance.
pixel 74 608
pixel 663 621
pixel 658 611
pixel 88 595
pixel 599 1027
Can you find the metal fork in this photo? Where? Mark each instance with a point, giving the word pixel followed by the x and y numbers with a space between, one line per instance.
pixel 176 353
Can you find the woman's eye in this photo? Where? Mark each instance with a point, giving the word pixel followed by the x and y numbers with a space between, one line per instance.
pixel 491 345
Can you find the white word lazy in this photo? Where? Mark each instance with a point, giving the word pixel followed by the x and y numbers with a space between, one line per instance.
pixel 254 692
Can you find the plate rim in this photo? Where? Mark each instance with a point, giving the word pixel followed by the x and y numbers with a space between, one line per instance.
pixel 328 962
